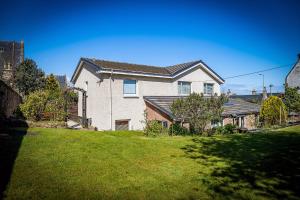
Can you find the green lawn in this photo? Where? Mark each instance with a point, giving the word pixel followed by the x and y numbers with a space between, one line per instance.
pixel 68 164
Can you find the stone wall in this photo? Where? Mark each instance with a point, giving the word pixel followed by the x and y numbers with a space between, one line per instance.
pixel 9 100
pixel 250 121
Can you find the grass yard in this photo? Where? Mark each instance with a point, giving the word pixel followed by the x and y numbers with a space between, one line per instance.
pixel 66 164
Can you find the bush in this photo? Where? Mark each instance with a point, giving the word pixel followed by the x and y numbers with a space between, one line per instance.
pixel 224 130
pixel 177 129
pixel 155 128
pixel 273 111
pixel 44 105
pixel 34 105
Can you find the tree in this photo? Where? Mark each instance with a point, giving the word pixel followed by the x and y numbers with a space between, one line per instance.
pixel 198 110
pixel 292 99
pixel 52 84
pixel 273 111
pixel 29 77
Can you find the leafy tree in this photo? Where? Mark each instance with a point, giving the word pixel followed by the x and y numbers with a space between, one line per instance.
pixel 29 77
pixel 292 99
pixel 178 109
pixel 198 110
pixel 273 111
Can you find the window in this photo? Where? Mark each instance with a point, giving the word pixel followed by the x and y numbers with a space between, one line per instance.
pixel 242 122
pixel 208 88
pixel 122 124
pixel 165 124
pixel 1 49
pixel 129 88
pixel 8 66
pixel 86 86
pixel 215 123
pixel 184 88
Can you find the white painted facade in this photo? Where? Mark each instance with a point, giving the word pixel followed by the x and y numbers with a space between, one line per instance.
pixel 293 77
pixel 106 102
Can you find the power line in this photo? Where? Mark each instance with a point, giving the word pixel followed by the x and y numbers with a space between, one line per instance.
pixel 269 69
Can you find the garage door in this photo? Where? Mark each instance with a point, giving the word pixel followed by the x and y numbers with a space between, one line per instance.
pixel 122 125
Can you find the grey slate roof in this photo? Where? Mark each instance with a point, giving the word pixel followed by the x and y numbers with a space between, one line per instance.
pixel 256 98
pixel 232 108
pixel 143 69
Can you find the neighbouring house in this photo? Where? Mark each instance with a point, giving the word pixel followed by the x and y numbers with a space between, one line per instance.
pixel 11 55
pixel 293 77
pixel 115 95
pixel 62 80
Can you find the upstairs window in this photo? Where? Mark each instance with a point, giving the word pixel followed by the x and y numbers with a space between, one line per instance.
pixel 208 88
pixel 184 88
pixel 129 88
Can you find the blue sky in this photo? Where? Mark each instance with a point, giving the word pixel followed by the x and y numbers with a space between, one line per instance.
pixel 233 37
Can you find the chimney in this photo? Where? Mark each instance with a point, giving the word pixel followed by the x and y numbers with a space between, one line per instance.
pixel 253 92
pixel 22 51
pixel 265 96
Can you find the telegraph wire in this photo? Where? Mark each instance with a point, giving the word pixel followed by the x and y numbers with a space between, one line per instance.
pixel 260 71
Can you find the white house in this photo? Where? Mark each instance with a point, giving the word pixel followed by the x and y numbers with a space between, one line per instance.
pixel 115 91
pixel 293 77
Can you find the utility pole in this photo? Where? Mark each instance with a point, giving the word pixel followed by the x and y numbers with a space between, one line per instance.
pixel 263 80
pixel 271 85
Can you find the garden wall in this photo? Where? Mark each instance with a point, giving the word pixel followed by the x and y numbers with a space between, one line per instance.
pixel 9 100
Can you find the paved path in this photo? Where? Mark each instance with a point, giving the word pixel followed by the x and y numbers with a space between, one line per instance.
pixel 73 125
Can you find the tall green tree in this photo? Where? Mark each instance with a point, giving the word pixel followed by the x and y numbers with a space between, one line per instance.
pixel 273 111
pixel 51 83
pixel 198 110
pixel 292 99
pixel 29 77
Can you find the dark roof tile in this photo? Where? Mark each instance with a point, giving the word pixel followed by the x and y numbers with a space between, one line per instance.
pixel 231 108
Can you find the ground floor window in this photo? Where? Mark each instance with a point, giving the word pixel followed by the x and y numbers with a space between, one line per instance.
pixel 242 122
pixel 163 123
pixel 122 124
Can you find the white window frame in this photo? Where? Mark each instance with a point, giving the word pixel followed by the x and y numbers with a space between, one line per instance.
pixel 180 93
pixel 205 91
pixel 136 88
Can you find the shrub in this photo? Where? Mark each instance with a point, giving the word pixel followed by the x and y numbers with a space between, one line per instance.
pixel 224 130
pixel 177 129
pixel 55 109
pixel 34 105
pixel 273 111
pixel 155 128
pixel 44 105
pixel 229 129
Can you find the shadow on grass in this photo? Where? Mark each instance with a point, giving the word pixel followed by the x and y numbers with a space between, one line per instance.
pixel 249 166
pixel 10 142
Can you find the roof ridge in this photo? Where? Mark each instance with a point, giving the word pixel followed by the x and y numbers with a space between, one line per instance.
pixel 120 62
pixel 184 63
